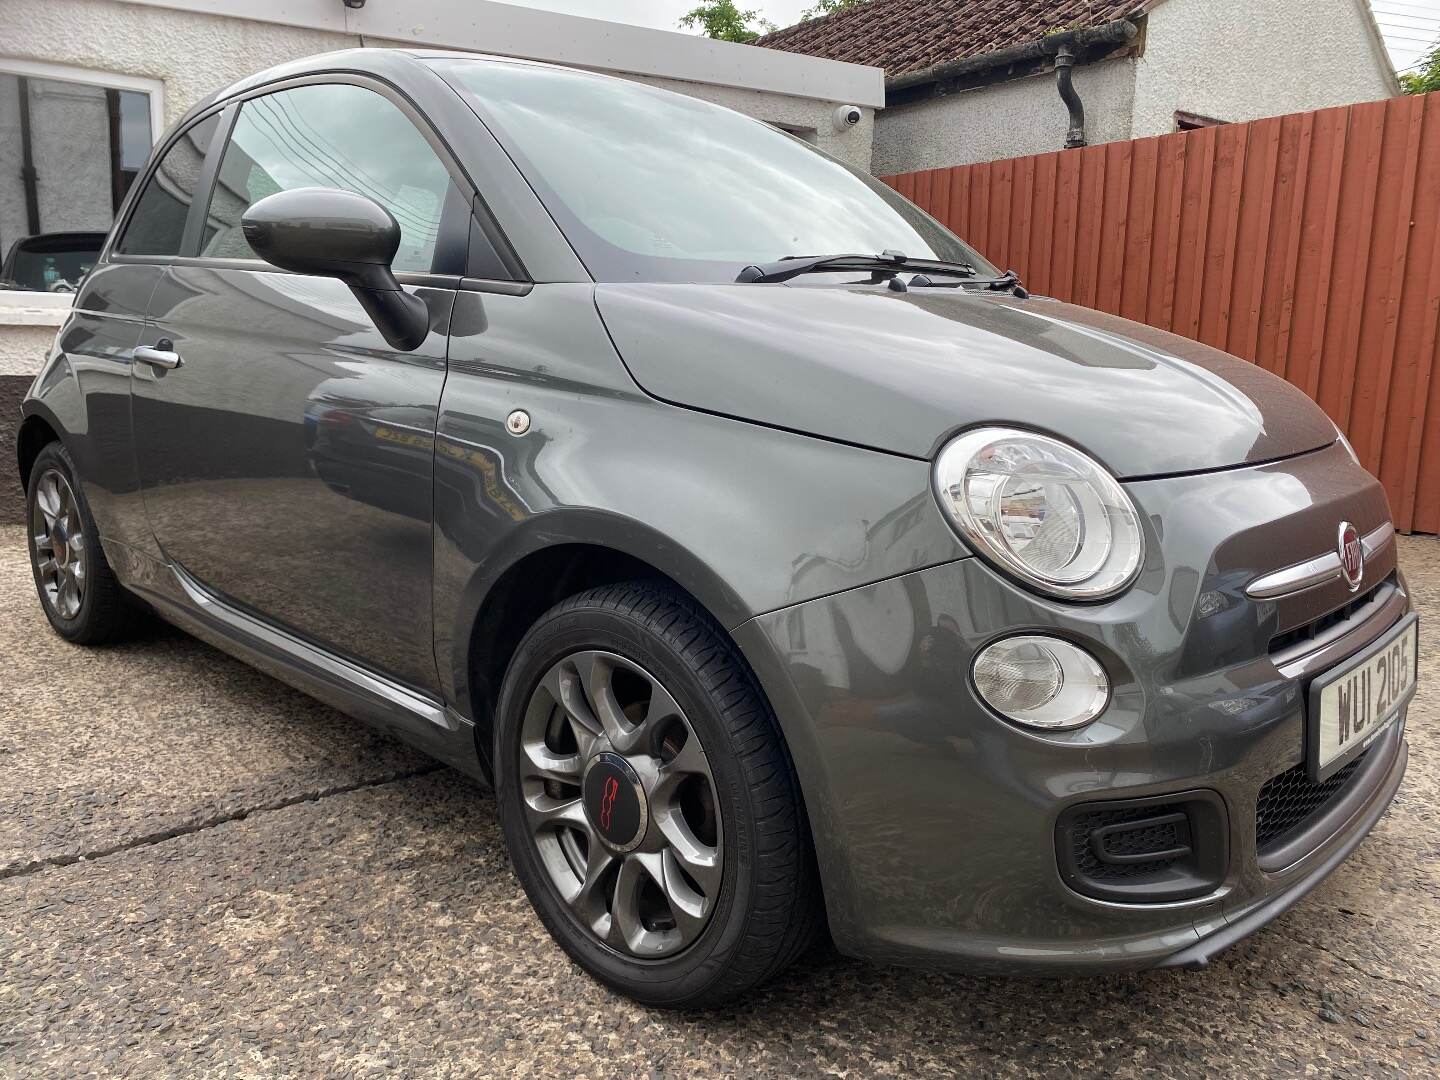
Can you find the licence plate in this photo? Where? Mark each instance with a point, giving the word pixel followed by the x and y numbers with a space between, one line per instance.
pixel 1352 706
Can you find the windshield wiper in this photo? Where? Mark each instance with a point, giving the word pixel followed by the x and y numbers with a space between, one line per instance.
pixel 1006 282
pixel 888 263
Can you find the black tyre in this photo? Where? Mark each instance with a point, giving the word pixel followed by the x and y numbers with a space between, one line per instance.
pixel 649 802
pixel 81 598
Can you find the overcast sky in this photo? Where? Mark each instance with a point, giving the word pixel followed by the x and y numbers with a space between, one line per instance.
pixel 1410 26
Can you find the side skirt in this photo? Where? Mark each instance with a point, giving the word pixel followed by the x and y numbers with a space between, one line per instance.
pixel 417 718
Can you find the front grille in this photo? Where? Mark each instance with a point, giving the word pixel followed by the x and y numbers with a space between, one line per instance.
pixel 1290 800
pixel 1144 850
pixel 1316 628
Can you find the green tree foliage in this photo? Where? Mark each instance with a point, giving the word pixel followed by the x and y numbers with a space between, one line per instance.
pixel 1425 77
pixel 723 21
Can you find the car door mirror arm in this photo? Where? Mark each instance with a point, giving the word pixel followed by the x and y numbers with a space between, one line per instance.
pixel 402 318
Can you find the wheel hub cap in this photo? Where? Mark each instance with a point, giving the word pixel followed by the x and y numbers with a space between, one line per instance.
pixel 620 803
pixel 59 544
pixel 615 801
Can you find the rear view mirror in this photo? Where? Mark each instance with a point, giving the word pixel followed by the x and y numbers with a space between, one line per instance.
pixel 326 232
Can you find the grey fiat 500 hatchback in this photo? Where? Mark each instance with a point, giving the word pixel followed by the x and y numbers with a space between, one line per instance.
pixel 782 565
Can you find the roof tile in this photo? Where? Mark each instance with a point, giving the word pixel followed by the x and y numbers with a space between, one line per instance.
pixel 908 35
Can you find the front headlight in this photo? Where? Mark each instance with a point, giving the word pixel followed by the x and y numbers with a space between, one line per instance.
pixel 1041 510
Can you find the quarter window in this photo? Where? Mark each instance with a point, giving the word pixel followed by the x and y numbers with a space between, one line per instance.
pixel 157 224
pixel 335 136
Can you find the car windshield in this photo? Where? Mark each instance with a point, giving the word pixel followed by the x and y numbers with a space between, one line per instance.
pixel 650 185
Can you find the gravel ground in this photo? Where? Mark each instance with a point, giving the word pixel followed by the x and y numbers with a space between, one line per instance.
pixel 203 873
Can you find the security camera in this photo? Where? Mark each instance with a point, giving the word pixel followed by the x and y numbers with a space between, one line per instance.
pixel 847 116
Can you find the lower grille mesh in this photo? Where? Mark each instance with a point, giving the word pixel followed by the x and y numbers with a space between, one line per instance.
pixel 1149 850
pixel 1154 838
pixel 1288 801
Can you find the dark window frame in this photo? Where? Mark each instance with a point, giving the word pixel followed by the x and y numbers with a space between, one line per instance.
pixel 486 245
pixel 112 252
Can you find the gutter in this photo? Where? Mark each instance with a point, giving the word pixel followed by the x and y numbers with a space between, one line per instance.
pixel 1065 50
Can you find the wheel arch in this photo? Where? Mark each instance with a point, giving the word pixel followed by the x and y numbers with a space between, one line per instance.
pixel 556 556
pixel 37 430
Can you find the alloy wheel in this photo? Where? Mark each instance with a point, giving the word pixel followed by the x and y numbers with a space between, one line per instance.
pixel 59 537
pixel 620 803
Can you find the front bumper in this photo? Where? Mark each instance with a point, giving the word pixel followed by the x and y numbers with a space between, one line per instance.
pixel 935 821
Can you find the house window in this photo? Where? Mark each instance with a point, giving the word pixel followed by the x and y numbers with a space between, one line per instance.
pixel 71 144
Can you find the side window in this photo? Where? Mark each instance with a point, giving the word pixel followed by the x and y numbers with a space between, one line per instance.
pixel 336 136
pixel 157 224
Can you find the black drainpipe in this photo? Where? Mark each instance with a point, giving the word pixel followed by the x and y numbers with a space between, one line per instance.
pixel 1064 79
pixel 1066 47
pixel 28 176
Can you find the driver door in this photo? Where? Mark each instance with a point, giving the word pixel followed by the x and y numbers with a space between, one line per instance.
pixel 287 463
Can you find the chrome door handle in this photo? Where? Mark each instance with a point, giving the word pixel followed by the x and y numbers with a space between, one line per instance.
pixel 162 355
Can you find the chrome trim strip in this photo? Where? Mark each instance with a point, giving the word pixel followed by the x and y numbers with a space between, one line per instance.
pixel 1377 540
pixel 1317 571
pixel 335 667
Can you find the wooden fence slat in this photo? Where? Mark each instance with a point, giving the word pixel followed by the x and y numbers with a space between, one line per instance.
pixel 1307 244
pixel 1139 252
pixel 1169 185
pixel 1046 205
pixel 1199 190
pixel 1419 486
pixel 1022 208
pixel 1363 251
pixel 1115 227
pixel 1290 267
pixel 1067 202
pixel 1394 176
pixel 1252 245
pixel 1218 284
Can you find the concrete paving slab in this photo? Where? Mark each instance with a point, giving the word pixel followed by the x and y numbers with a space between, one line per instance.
pixel 379 931
pixel 102 747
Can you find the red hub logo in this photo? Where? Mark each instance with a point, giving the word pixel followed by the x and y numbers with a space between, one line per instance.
pixel 607 802
pixel 1352 555
pixel 615 801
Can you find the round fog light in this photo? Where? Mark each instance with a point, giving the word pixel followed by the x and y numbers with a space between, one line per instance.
pixel 1042 682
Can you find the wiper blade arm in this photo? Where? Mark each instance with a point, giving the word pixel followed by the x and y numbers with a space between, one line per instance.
pixel 890 262
pixel 1008 282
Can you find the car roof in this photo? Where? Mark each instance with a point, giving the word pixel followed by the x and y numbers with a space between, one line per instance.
pixel 373 61
pixel 391 64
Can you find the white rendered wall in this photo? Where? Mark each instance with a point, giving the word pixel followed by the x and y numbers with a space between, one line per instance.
pixel 1238 60
pixel 1007 120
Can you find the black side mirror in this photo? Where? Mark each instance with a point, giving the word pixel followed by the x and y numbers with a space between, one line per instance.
pixel 331 233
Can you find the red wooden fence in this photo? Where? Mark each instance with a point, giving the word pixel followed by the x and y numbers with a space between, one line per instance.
pixel 1309 244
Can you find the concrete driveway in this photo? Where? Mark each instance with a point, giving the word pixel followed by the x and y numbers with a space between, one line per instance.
pixel 203 873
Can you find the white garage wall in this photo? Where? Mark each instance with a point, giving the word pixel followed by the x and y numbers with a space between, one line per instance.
pixel 194 52
pixel 1006 120
pixel 194 47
